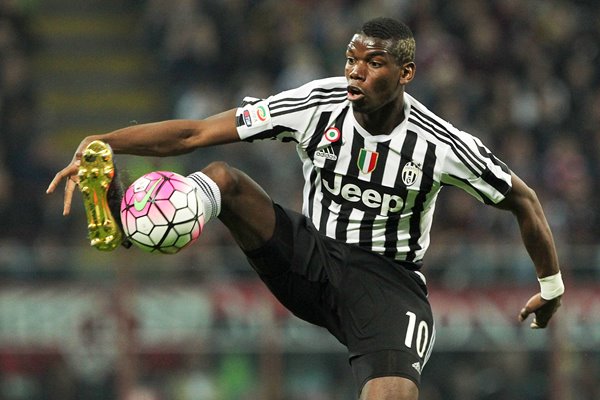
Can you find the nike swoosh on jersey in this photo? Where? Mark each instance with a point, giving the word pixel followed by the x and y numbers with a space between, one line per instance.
pixel 139 205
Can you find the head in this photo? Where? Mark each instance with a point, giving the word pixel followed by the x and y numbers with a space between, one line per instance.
pixel 380 61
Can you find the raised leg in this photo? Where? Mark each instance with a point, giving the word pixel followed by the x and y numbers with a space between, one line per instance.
pixel 246 209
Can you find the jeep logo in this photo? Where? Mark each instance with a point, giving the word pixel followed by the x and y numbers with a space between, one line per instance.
pixel 368 199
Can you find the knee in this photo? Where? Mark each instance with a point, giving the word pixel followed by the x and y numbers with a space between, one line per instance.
pixel 390 387
pixel 225 176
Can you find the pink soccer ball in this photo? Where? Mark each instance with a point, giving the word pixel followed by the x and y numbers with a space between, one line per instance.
pixel 160 212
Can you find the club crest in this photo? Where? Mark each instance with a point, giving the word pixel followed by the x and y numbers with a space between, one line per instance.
pixel 410 173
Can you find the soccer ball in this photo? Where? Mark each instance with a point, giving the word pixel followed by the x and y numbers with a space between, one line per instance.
pixel 160 212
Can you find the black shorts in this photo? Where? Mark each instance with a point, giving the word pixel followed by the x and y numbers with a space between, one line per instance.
pixel 374 306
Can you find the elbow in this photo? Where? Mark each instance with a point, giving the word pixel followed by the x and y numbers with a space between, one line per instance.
pixel 184 141
pixel 530 195
pixel 187 140
pixel 527 203
pixel 521 198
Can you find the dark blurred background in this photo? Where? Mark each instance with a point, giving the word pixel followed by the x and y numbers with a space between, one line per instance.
pixel 78 324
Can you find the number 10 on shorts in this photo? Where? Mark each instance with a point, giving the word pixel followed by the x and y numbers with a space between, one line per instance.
pixel 422 331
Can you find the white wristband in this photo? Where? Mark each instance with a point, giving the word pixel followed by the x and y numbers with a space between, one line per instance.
pixel 551 286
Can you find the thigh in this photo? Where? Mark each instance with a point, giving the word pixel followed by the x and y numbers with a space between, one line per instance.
pixel 386 318
pixel 292 264
pixel 246 209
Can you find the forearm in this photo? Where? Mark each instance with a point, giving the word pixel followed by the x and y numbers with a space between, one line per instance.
pixel 165 138
pixel 538 240
pixel 170 138
pixel 535 231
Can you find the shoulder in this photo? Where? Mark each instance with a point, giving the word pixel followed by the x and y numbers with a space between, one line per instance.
pixel 336 85
pixel 318 95
pixel 335 82
pixel 428 123
pixel 420 112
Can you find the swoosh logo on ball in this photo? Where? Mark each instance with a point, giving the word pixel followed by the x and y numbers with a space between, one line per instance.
pixel 139 205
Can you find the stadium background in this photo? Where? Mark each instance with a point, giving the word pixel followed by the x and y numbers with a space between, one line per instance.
pixel 78 324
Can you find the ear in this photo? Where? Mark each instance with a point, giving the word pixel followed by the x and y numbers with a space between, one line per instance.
pixel 407 72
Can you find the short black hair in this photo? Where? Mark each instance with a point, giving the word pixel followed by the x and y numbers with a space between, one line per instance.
pixel 396 31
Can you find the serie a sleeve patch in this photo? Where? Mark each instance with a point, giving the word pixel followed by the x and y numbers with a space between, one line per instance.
pixel 253 119
pixel 256 115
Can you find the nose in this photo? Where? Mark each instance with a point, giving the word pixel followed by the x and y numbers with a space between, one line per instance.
pixel 356 71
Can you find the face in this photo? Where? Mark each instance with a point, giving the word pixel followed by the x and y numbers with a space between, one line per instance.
pixel 374 77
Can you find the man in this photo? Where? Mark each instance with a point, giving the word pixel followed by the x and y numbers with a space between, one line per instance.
pixel 374 161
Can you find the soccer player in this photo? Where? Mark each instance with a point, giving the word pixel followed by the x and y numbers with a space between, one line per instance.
pixel 374 160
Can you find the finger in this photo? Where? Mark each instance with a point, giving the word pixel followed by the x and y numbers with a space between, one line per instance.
pixel 523 314
pixel 545 313
pixel 70 170
pixel 57 178
pixel 540 321
pixel 542 317
pixel 69 188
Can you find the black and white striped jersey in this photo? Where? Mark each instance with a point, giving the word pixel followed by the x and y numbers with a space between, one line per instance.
pixel 375 191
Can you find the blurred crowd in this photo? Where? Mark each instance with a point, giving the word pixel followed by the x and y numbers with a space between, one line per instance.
pixel 18 175
pixel 521 75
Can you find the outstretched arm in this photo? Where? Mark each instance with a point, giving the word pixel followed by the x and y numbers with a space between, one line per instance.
pixel 537 238
pixel 160 139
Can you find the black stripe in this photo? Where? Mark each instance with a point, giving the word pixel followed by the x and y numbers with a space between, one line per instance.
pixel 325 204
pixel 495 160
pixel 341 229
pixel 366 225
pixel 418 207
pixel 271 134
pixel 495 182
pixel 310 151
pixel 336 146
pixel 239 120
pixel 483 196
pixel 391 226
pixel 246 102
pixel 206 189
pixel 303 100
pixel 317 134
pixel 330 101
pixel 311 194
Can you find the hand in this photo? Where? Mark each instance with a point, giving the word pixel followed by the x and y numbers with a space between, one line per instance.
pixel 542 310
pixel 70 174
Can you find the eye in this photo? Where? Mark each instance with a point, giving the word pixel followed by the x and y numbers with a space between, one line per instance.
pixel 375 64
pixel 350 60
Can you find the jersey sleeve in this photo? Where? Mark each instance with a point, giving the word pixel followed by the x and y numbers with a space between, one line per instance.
pixel 288 115
pixel 471 166
pixel 254 121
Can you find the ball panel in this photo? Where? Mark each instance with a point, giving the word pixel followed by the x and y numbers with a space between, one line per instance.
pixel 179 199
pixel 166 209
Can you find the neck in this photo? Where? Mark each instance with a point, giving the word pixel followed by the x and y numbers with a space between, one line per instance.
pixel 384 120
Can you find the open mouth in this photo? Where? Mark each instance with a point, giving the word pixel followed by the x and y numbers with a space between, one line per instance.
pixel 354 93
